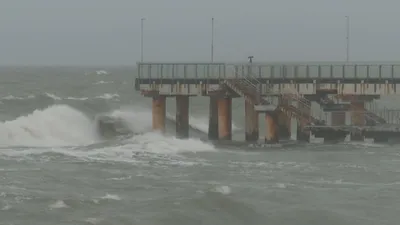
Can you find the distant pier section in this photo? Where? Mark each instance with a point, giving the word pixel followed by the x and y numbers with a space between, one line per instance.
pixel 299 101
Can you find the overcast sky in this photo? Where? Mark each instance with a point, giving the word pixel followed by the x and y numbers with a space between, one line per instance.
pixel 107 32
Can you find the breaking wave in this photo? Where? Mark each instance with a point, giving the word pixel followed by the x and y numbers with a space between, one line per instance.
pixel 57 125
pixel 199 123
pixel 65 126
pixel 106 96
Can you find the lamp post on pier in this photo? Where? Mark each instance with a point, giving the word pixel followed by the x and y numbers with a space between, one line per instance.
pixel 141 38
pixel 347 38
pixel 212 39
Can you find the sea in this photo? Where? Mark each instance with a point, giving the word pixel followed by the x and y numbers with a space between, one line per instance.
pixel 56 167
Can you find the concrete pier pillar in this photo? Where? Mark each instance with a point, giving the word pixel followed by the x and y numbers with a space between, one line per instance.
pixel 271 136
pixel 225 118
pixel 294 124
pixel 302 134
pixel 357 119
pixel 284 123
pixel 251 120
pixel 158 111
pixel 305 109
pixel 358 114
pixel 213 119
pixel 182 116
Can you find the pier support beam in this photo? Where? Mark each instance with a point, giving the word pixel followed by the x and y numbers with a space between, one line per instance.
pixel 357 119
pixel 225 118
pixel 213 119
pixel 271 136
pixel 182 116
pixel 305 109
pixel 284 123
pixel 251 115
pixel 158 111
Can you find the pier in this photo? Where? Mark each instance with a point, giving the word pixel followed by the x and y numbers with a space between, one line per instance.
pixel 300 101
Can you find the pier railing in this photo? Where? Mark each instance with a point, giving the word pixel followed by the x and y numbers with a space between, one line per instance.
pixel 358 70
pixel 302 110
pixel 391 116
pixel 313 115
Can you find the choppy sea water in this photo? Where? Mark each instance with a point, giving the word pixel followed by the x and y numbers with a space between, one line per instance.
pixel 55 168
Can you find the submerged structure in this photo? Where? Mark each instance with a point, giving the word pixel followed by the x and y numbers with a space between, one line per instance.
pixel 298 101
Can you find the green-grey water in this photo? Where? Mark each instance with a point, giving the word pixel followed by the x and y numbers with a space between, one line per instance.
pixel 56 169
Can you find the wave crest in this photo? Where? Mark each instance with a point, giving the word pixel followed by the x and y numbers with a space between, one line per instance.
pixel 56 125
pixel 63 125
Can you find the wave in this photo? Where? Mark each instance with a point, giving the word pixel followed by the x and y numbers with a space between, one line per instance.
pixel 12 97
pixel 149 149
pixel 101 72
pixel 104 82
pixel 98 72
pixel 65 126
pixel 199 123
pixel 106 96
pixel 56 125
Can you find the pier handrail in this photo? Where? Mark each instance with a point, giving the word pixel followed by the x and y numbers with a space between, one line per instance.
pixel 251 81
pixel 365 112
pixel 306 104
pixel 254 84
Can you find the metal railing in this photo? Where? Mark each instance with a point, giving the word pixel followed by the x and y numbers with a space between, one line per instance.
pixel 369 114
pixel 303 104
pixel 391 116
pixel 150 70
pixel 253 84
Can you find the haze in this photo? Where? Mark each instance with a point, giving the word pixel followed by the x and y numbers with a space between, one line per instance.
pixel 105 32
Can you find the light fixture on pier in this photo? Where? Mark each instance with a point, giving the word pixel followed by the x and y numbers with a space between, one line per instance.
pixel 250 59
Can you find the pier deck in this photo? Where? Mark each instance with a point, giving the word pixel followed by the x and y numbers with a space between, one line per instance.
pixel 283 92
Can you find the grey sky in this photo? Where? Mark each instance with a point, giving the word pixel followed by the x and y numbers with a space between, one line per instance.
pixel 108 31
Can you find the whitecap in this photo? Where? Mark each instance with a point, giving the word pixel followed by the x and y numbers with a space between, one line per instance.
pixel 111 197
pixel 59 204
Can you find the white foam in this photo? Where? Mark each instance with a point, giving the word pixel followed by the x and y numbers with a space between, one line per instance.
pixel 138 119
pixel 280 185
pixel 111 197
pixel 58 205
pixel 53 96
pixel 158 143
pixel 11 97
pixel 78 99
pixel 101 72
pixel 365 144
pixel 6 207
pixel 104 82
pixel 161 149
pixel 93 220
pixel 58 125
pixel 199 123
pixel 108 96
pixel 120 178
pixel 225 190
